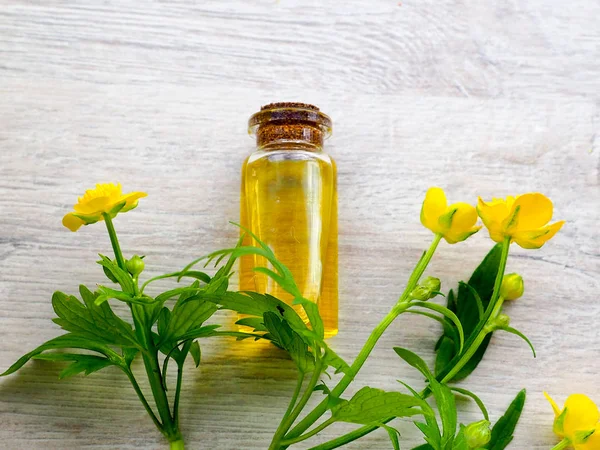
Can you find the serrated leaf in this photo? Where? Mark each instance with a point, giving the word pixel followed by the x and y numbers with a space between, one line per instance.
pixel 502 433
pixel 80 363
pixel 129 355
pixel 252 322
pixel 118 275
pixel 66 341
pixel 286 338
pixel 92 321
pixel 371 405
pixel 190 312
pixel 195 352
pixel 312 312
pixel 105 293
pixel 332 359
pixel 255 304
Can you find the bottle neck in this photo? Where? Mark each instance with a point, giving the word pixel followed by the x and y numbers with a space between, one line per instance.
pixel 280 136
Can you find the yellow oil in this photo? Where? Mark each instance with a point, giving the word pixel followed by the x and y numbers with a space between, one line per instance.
pixel 289 200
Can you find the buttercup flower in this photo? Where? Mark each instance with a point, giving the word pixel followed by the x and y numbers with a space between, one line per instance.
pixel 455 222
pixel 523 218
pixel 106 198
pixel 578 422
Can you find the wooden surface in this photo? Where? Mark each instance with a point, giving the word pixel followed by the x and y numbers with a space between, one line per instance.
pixel 481 98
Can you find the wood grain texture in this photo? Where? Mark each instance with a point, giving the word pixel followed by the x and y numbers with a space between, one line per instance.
pixel 482 98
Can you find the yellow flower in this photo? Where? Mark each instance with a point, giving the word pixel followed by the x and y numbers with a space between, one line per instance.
pixel 105 199
pixel 523 218
pixel 578 422
pixel 455 222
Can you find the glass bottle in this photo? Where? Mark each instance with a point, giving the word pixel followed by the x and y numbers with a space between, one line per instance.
pixel 289 200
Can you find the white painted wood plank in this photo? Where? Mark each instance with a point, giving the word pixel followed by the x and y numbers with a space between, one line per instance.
pixel 480 99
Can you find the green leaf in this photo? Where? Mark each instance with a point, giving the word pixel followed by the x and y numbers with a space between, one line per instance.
pixel 474 397
pixel 312 312
pixel 332 359
pixel 191 274
pixel 80 363
pixel 105 293
pixel 460 442
pixel 370 405
pixel 449 329
pixel 467 303
pixel 393 434
pixel 443 396
pixel 189 313
pixel 424 447
pixel 472 364
pixel 448 314
pixel 89 320
pixel 521 335
pixel 502 433
pixel 252 322
pixel 283 335
pixel 118 275
pixel 195 352
pixel 129 355
pixel 66 341
pixel 478 302
pixel 447 348
pixel 255 304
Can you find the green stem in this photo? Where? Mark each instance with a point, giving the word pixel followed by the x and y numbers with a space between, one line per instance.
pixel 177 445
pixel 168 427
pixel 114 241
pixel 142 398
pixel 295 395
pixel 184 351
pixel 491 312
pixel 349 437
pixel 310 434
pixel 288 421
pixel 398 309
pixel 562 444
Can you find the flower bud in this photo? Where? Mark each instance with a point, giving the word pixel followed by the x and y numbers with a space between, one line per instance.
pixel 135 265
pixel 478 434
pixel 512 286
pixel 426 290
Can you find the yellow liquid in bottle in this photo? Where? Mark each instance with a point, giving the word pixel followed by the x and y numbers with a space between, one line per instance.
pixel 289 200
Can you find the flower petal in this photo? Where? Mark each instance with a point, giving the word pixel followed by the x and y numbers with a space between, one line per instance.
pixel 537 238
pixel 131 200
pixel 96 205
pixel 433 207
pixel 462 222
pixel 71 222
pixel 535 211
pixel 492 215
pixel 582 414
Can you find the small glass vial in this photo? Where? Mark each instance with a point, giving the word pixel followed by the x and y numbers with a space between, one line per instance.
pixel 289 200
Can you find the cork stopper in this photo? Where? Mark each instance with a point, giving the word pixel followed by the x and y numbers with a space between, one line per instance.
pixel 278 124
